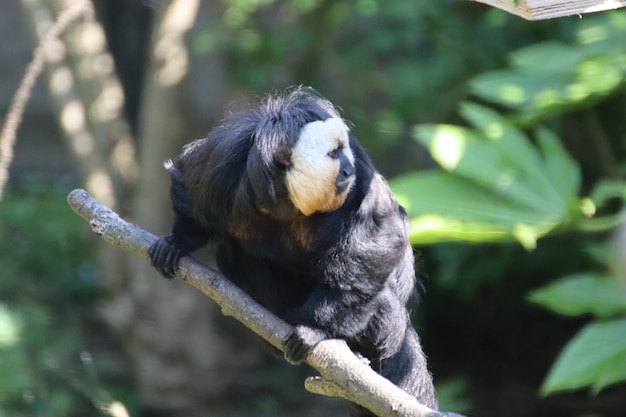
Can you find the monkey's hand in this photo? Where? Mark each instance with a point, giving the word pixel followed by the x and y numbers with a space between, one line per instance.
pixel 164 256
pixel 300 342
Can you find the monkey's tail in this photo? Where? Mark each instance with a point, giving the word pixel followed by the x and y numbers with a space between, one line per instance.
pixel 408 370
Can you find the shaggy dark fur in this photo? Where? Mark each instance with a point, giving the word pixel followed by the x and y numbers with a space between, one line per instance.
pixel 347 273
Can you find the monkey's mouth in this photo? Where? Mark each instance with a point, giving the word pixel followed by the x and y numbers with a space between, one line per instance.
pixel 344 184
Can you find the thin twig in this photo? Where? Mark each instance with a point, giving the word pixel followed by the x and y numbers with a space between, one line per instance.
pixel 15 114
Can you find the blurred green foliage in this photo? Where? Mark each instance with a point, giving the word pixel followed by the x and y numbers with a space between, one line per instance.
pixel 389 64
pixel 502 185
pixel 47 291
pixel 596 356
pixel 553 77
pixel 498 184
pixel 495 185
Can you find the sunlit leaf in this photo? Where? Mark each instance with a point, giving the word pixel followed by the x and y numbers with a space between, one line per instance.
pixel 560 168
pixel 582 294
pixel 551 77
pixel 446 207
pixel 517 152
pixel 497 185
pixel 9 328
pixel 595 358
pixel 472 156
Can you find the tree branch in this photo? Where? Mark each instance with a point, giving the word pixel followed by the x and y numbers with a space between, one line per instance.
pixel 342 373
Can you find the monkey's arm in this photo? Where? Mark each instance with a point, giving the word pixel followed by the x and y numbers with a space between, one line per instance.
pixel 354 286
pixel 187 234
pixel 186 237
pixel 328 313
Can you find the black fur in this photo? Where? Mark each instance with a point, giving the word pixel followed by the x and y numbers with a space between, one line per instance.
pixel 344 274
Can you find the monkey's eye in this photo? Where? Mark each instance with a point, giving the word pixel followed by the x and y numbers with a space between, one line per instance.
pixel 335 152
pixel 283 158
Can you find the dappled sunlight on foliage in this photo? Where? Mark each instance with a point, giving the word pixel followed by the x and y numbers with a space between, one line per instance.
pixel 551 77
pixel 497 185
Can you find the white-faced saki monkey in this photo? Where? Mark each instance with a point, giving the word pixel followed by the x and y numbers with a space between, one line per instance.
pixel 304 223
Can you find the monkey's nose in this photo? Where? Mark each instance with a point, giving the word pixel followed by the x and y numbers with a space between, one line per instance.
pixel 347 171
pixel 345 179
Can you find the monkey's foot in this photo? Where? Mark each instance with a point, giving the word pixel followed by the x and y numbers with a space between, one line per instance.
pixel 164 257
pixel 300 342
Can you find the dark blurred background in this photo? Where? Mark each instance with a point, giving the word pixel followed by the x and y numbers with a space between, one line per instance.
pixel 85 328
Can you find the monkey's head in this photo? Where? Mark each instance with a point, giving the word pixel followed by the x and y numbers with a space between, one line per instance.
pixel 300 160
pixel 320 169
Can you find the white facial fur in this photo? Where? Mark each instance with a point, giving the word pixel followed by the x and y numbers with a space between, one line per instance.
pixel 312 177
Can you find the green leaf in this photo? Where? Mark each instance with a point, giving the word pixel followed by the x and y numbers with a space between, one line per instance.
pixel 551 77
pixel 559 167
pixel 488 163
pixel 509 140
pixel 460 209
pixel 613 372
pixel 554 57
pixel 582 294
pixel 607 189
pixel 498 186
pixel 532 96
pixel 595 358
pixel 517 152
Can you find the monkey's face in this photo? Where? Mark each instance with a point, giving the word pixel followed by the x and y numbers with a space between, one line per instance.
pixel 321 170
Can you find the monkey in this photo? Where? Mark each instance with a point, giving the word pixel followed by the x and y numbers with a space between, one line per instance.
pixel 304 223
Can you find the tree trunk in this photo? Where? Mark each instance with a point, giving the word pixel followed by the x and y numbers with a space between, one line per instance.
pixel 181 363
pixel 173 339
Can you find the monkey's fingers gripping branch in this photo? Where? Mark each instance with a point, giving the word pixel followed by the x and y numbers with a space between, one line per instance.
pixel 300 342
pixel 165 256
pixel 234 302
pixel 342 373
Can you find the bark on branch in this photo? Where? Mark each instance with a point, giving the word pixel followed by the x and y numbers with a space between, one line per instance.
pixel 342 373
